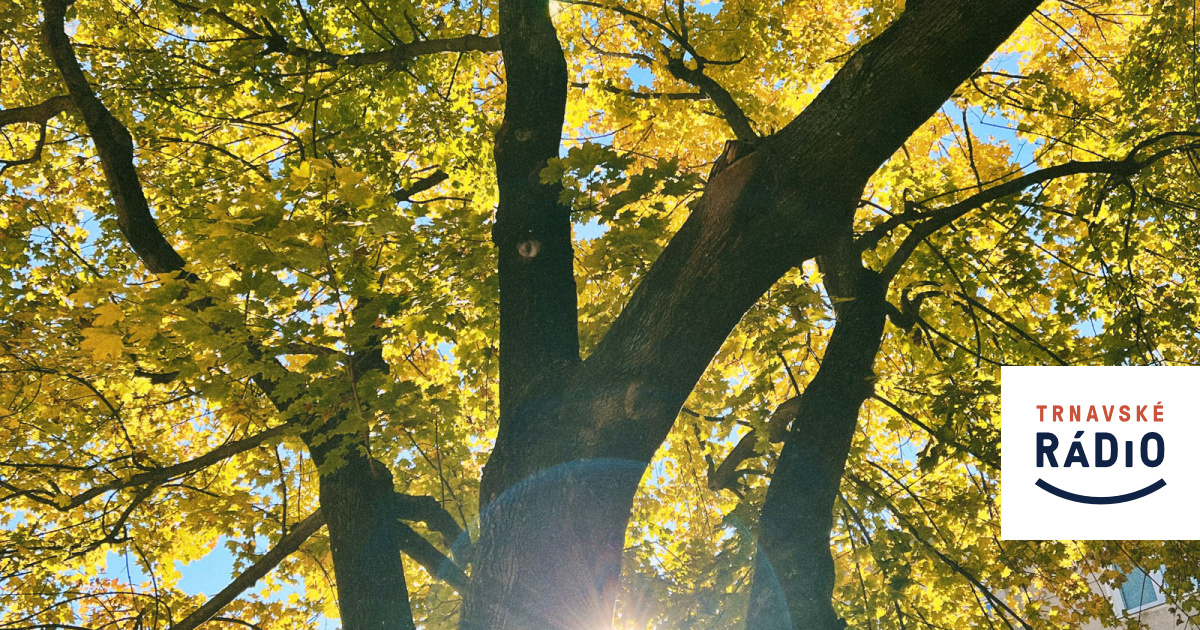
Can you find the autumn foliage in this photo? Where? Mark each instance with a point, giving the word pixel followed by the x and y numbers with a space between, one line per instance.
pixel 278 280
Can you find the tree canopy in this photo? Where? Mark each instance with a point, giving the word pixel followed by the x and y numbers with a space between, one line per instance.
pixel 572 314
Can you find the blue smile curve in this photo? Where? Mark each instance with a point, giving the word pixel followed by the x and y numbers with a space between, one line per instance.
pixel 1121 498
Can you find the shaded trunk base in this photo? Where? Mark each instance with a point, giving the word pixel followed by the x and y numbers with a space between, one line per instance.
pixel 549 553
pixel 364 538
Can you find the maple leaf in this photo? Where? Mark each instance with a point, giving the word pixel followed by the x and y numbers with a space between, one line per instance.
pixel 108 314
pixel 104 345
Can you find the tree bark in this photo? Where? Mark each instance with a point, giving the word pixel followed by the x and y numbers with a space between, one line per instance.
pixel 549 550
pixel 356 498
pixel 538 315
pixel 793 571
pixel 114 145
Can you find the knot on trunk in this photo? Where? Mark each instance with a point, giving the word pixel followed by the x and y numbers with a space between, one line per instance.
pixel 529 249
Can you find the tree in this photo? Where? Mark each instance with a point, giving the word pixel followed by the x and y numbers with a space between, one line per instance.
pixel 257 295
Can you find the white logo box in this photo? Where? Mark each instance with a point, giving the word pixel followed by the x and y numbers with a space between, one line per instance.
pixel 1138 492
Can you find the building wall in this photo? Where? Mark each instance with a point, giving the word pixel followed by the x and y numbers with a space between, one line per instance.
pixel 1156 615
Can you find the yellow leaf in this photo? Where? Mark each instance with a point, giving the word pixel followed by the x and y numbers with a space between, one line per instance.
pixel 144 332
pixel 81 296
pixel 358 196
pixel 104 345
pixel 347 176
pixel 220 230
pixel 109 314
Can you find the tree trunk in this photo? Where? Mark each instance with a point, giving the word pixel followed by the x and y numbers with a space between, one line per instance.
pixel 559 496
pixel 356 497
pixel 793 571
pixel 550 549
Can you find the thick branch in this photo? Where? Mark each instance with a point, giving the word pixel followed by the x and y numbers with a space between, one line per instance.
pixel 162 475
pixel 35 156
pixel 794 574
pixel 365 537
pixel 778 206
pixel 726 475
pixel 287 545
pixel 427 510
pixel 115 147
pixel 930 222
pixel 539 340
pixel 38 114
pixel 732 112
pixel 435 562
pixel 420 186
pixel 532 231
